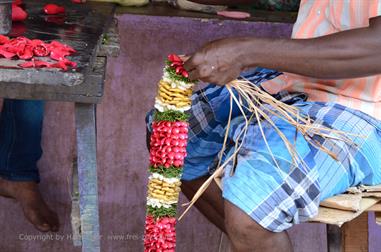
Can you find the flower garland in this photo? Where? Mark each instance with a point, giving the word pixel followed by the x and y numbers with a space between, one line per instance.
pixel 167 152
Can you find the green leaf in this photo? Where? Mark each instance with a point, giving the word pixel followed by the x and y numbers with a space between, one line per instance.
pixel 173 75
pixel 171 172
pixel 159 212
pixel 171 116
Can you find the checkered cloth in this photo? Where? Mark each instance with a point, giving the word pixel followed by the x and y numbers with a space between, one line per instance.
pixel 279 197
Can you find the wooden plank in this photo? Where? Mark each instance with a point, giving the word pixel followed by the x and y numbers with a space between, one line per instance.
pixel 339 217
pixel 91 91
pixel 375 208
pixel 166 10
pixel 5 16
pixel 110 45
pixel 355 235
pixel 81 27
pixel 348 202
pixel 87 176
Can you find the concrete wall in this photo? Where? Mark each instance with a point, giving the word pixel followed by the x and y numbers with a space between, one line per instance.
pixel 122 157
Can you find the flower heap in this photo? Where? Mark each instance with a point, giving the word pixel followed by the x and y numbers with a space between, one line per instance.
pixel 34 50
pixel 167 152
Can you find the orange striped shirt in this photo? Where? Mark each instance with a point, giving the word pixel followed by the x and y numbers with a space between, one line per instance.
pixel 322 17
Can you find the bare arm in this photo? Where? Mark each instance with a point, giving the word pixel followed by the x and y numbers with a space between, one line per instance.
pixel 347 54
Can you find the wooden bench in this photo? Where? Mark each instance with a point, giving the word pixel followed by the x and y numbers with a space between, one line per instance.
pixel 353 236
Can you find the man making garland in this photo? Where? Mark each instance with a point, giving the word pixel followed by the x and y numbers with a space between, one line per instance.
pixel 334 56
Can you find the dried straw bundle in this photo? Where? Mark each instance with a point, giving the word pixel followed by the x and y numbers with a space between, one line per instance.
pixel 261 106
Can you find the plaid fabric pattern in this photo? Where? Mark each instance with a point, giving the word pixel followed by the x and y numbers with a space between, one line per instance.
pixel 278 197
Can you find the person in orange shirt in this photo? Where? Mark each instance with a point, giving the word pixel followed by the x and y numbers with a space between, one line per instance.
pixel 334 57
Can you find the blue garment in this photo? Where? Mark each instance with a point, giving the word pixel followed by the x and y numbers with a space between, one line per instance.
pixel 279 197
pixel 20 139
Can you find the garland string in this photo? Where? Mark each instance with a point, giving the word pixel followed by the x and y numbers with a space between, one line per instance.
pixel 167 152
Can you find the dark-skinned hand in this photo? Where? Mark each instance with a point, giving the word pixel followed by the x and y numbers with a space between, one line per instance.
pixel 217 62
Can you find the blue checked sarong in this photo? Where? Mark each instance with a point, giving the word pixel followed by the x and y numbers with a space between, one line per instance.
pixel 279 198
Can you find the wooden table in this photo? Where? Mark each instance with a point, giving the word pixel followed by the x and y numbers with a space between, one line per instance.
pixel 83 27
pixel 353 236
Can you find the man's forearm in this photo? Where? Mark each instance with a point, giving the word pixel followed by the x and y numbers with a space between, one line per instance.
pixel 348 54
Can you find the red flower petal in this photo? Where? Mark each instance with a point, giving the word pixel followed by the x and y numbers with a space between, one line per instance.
pixel 176 64
pixel 4 39
pixel 40 49
pixel 53 9
pixel 6 54
pixel 36 42
pixel 15 45
pixel 57 45
pixel 60 65
pixel 58 54
pixel 174 58
pixel 185 74
pixel 179 69
pixel 64 64
pixel 18 14
pixel 27 53
pixel 34 64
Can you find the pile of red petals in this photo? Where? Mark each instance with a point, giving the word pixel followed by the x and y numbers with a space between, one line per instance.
pixel 63 64
pixel 168 143
pixel 178 64
pixel 53 9
pixel 27 49
pixel 160 235
pixel 18 13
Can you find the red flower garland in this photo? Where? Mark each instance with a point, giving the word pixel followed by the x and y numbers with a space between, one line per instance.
pixel 160 234
pixel 167 153
pixel 168 143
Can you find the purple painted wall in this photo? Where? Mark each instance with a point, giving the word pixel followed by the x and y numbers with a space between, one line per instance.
pixel 122 157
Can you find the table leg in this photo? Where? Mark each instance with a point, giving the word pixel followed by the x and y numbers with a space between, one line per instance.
pixel 334 238
pixel 356 234
pixel 87 176
pixel 353 236
pixel 75 215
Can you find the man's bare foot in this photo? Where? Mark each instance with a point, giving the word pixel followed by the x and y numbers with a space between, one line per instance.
pixel 32 203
